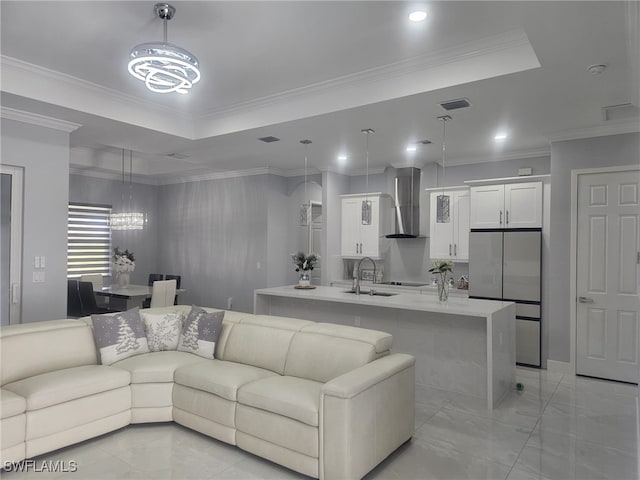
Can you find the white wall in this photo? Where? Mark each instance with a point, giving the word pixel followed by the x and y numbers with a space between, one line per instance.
pixel 613 150
pixel 44 155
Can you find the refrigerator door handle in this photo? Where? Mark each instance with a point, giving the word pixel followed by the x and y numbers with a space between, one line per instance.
pixel 585 300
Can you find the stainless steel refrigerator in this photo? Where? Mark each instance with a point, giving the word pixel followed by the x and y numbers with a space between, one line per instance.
pixel 506 265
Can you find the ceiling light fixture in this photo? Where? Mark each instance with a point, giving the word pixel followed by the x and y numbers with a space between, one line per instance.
pixel 366 203
pixel 342 157
pixel 443 201
pixel 305 208
pixel 411 148
pixel 127 220
pixel 499 137
pixel 163 67
pixel 418 16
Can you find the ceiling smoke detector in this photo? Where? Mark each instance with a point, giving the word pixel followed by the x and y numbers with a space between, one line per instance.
pixel 455 104
pixel 597 69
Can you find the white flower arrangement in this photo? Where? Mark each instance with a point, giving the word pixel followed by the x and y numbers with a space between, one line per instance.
pixel 305 262
pixel 441 267
pixel 123 261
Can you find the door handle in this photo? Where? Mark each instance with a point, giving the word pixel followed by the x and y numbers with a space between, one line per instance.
pixel 449 249
pixel 585 300
pixel 361 247
pixel 455 249
pixel 500 217
pixel 507 215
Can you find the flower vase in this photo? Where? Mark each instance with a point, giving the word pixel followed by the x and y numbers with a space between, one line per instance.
pixel 123 279
pixel 443 290
pixel 304 280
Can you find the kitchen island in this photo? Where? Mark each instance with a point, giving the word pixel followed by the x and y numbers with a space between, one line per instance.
pixel 462 345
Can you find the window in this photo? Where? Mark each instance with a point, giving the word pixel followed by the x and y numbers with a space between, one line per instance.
pixel 89 240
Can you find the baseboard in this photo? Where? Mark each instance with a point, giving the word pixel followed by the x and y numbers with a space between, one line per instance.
pixel 554 366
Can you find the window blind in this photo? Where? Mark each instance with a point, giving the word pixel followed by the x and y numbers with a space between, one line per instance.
pixel 89 240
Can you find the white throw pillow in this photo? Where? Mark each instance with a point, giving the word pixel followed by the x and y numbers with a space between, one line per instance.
pixel 200 332
pixel 163 330
pixel 119 336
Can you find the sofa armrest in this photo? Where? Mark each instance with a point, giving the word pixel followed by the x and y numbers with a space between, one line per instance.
pixel 365 415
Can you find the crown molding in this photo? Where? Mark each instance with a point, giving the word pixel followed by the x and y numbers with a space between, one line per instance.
pixel 37 119
pixel 617 128
pixel 485 46
pixel 29 80
pixel 499 157
pixel 111 175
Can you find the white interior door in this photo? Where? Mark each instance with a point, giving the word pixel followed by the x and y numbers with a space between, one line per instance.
pixel 11 244
pixel 607 328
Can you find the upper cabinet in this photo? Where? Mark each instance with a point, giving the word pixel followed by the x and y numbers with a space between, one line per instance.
pixel 361 238
pixel 511 205
pixel 449 224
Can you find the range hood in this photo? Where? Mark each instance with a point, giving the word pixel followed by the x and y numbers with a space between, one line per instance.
pixel 407 203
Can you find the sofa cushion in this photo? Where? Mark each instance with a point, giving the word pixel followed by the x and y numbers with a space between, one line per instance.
pixel 33 348
pixel 219 377
pixel 61 386
pixel 257 345
pixel 11 404
pixel 156 367
pixel 381 341
pixel 322 357
pixel 283 323
pixel 119 336
pixel 291 397
pixel 200 332
pixel 162 330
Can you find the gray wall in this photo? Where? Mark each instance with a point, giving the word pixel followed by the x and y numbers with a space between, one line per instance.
pixel 215 233
pixel 144 198
pixel 614 150
pixel 44 155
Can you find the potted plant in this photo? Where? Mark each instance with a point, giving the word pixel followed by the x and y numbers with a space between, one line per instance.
pixel 304 265
pixel 440 268
pixel 124 263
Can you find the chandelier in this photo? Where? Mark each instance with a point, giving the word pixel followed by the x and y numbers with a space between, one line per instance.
pixel 163 67
pixel 127 220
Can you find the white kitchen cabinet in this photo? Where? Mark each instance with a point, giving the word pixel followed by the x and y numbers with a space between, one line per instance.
pixel 449 234
pixel 360 240
pixel 511 205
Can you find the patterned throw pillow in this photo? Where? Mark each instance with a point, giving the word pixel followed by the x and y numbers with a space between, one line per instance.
pixel 163 330
pixel 119 336
pixel 200 332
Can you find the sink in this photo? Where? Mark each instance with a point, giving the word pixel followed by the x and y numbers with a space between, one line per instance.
pixel 372 294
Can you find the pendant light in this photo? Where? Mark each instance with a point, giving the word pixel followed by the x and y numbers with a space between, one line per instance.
pixel 305 208
pixel 443 201
pixel 162 66
pixel 366 203
pixel 127 219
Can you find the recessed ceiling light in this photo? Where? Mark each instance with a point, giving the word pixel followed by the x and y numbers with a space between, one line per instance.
pixel 412 148
pixel 499 137
pixel 342 157
pixel 417 16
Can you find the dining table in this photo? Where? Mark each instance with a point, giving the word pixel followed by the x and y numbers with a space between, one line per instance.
pixel 125 298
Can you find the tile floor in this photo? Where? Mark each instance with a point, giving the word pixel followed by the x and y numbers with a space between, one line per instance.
pixel 558 428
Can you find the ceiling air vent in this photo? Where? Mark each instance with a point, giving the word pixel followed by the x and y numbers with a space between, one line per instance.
pixel 624 111
pixel 178 156
pixel 455 104
pixel 269 139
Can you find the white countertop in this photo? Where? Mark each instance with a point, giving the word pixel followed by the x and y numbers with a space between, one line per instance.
pixel 406 301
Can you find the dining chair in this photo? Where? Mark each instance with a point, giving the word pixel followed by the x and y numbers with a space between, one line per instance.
pixel 177 279
pixel 154 277
pixel 98 283
pixel 74 306
pixel 88 300
pixel 163 293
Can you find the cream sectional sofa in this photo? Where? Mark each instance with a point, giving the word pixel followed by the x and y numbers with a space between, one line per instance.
pixel 324 400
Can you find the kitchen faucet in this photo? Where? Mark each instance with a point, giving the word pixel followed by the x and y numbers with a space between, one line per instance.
pixel 357 270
